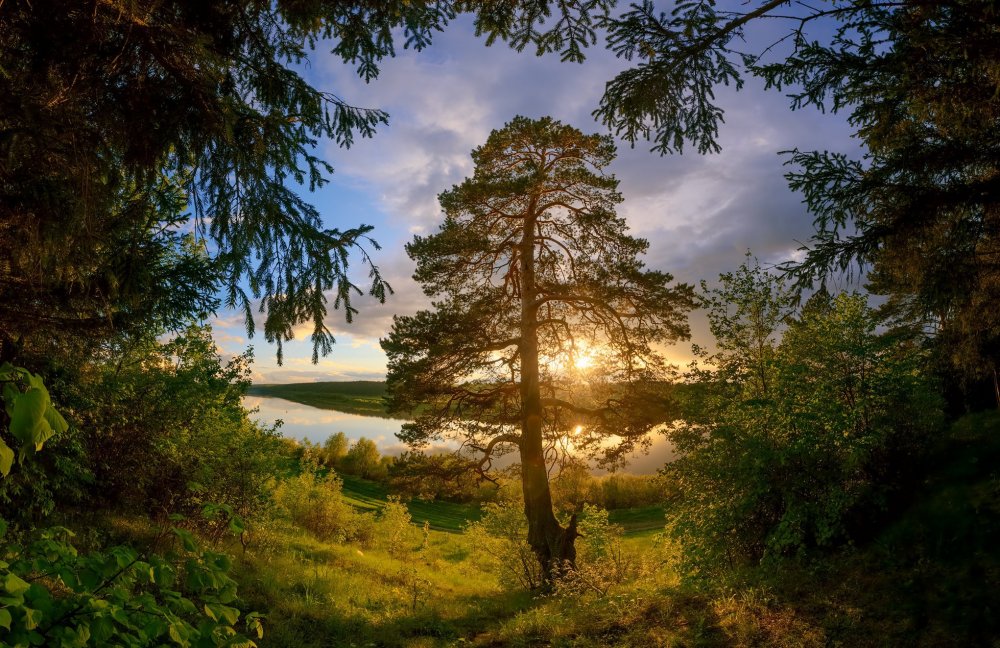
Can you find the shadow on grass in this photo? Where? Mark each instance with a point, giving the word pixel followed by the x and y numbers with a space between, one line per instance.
pixel 293 620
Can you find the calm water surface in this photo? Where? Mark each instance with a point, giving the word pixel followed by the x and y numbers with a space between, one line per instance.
pixel 305 422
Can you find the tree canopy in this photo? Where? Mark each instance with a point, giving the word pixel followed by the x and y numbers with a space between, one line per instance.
pixel 917 81
pixel 547 329
pixel 124 125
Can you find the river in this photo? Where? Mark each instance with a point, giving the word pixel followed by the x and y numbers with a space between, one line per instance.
pixel 305 422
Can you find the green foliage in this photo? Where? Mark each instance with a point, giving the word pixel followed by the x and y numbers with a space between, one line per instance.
pixel 334 450
pixel 54 596
pixel 166 429
pixel 313 502
pixel 574 486
pixel 364 460
pixel 809 424
pixel 669 96
pixel 602 562
pixel 919 85
pixel 29 422
pixel 395 528
pixel 110 141
pixel 29 417
pixel 500 540
pixel 501 547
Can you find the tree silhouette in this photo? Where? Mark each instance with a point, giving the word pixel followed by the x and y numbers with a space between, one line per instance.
pixel 544 333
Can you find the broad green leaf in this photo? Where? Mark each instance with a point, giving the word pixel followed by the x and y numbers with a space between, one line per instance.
pixel 56 420
pixel 227 614
pixel 178 633
pixel 15 585
pixel 5 618
pixel 10 395
pixel 101 630
pixel 187 540
pixel 29 412
pixel 31 618
pixel 6 459
pixel 254 625
pixel 237 525
pixel 42 433
pixel 36 382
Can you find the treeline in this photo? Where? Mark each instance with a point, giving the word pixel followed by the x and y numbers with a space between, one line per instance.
pixel 361 458
pixel 452 477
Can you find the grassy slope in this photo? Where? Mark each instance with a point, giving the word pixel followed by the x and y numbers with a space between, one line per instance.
pixel 928 578
pixel 364 397
pixel 451 517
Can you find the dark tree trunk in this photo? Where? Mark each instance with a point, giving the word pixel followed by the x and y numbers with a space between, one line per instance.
pixel 553 545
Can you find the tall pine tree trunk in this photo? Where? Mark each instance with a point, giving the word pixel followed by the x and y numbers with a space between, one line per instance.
pixel 553 545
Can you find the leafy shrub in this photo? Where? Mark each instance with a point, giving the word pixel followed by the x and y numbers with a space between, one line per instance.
pixel 802 431
pixel 313 502
pixel 54 596
pixel 395 529
pixel 601 562
pixel 29 422
pixel 500 542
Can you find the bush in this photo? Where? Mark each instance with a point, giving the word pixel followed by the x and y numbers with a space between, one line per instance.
pixel 55 596
pixel 802 432
pixel 395 531
pixel 313 502
pixel 601 562
pixel 500 542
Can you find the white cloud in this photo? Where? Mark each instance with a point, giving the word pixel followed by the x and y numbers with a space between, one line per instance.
pixel 699 213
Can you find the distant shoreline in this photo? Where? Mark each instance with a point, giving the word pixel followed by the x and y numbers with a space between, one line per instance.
pixel 361 397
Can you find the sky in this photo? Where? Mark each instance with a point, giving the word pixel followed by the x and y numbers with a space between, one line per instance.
pixel 700 214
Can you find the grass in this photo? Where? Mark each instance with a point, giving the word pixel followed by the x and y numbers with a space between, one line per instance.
pixel 928 577
pixel 452 517
pixel 363 397
pixel 325 594
pixel 442 516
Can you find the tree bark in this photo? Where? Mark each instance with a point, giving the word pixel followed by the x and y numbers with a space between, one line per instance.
pixel 553 545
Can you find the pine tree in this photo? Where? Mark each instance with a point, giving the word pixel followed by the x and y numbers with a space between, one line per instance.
pixel 546 326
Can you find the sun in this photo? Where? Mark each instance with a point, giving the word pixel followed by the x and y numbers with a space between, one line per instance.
pixel 583 361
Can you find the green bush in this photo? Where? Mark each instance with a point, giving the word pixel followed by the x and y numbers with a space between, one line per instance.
pixel 313 502
pixel 601 562
pixel 500 543
pixel 803 429
pixel 54 596
pixel 395 529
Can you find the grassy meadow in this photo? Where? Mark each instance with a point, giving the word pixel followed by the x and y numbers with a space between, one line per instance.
pixel 905 585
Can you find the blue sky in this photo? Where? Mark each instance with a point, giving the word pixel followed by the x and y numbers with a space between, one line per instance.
pixel 699 213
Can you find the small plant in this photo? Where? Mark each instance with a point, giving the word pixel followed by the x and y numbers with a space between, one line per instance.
pixel 313 501
pixel 413 586
pixel 395 527
pixel 500 543
pixel 601 563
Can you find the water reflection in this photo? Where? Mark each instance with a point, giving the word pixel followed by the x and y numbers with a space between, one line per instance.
pixel 306 422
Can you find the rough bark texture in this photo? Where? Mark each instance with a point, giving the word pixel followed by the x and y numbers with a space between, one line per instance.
pixel 552 544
